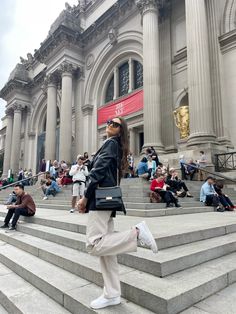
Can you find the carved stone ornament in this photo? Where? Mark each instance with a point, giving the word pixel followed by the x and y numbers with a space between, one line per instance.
pixel 87 109
pixel 9 112
pixel 51 78
pixel 89 61
pixel 112 36
pixel 17 107
pixel 66 67
pixel 144 5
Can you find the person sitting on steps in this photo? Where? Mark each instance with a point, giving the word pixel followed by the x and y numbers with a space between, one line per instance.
pixel 224 199
pixel 24 206
pixel 158 185
pixel 143 169
pixel 209 196
pixel 176 185
pixel 50 188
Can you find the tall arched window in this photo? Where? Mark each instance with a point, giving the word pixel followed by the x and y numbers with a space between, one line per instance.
pixel 110 90
pixel 138 75
pixel 124 86
pixel 124 79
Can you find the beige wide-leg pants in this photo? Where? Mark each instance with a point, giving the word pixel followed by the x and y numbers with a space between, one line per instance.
pixel 102 241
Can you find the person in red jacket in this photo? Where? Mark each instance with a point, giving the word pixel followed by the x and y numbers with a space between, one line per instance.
pixel 158 185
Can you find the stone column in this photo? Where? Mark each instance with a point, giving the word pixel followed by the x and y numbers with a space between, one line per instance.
pixel 151 68
pixel 16 136
pixel 116 83
pixel 65 139
pixel 215 66
pixel 131 75
pixel 79 100
pixel 87 110
pixel 132 141
pixel 166 94
pixel 51 123
pixel 8 141
pixel 26 140
pixel 200 100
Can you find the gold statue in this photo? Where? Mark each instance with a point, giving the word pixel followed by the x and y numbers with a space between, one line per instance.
pixel 181 117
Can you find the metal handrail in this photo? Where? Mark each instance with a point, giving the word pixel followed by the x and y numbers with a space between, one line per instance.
pixel 20 181
pixel 212 173
pixel 225 161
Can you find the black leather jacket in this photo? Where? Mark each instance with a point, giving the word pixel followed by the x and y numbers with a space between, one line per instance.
pixel 104 169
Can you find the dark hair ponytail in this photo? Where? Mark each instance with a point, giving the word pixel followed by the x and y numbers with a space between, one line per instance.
pixel 124 141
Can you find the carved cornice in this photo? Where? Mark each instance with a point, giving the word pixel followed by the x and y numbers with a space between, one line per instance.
pixel 63 36
pixel 13 85
pixel 107 21
pixel 87 109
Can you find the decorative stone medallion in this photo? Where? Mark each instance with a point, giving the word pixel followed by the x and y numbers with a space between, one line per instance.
pixel 89 61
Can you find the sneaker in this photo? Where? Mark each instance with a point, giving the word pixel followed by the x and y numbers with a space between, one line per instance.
pixel 189 195
pixel 45 198
pixel 72 210
pixel 4 226
pixel 145 237
pixel 102 302
pixel 220 209
pixel 12 228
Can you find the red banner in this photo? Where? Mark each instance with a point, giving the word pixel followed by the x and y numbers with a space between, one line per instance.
pixel 122 107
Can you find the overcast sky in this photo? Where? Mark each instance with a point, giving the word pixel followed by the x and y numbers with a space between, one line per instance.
pixel 24 24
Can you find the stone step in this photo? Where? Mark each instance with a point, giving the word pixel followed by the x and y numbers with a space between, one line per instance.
pixel 159 209
pixel 169 231
pixel 67 289
pixel 18 296
pixel 63 245
pixel 167 211
pixel 222 302
pixel 167 295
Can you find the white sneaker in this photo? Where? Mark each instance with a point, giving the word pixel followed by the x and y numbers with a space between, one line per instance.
pixel 45 198
pixel 145 237
pixel 72 210
pixel 102 302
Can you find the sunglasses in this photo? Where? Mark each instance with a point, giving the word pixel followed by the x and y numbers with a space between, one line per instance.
pixel 113 124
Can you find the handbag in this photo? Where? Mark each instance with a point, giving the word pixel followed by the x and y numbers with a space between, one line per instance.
pixel 109 197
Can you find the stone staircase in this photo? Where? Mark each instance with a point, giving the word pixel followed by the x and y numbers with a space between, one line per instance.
pixel 44 267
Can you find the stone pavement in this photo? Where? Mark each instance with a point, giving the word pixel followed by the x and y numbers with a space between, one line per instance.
pixel 47 256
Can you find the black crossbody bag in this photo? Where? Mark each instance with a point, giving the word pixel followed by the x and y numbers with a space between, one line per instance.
pixel 110 197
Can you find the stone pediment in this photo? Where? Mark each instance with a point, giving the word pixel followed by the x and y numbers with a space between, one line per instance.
pixel 68 19
pixel 19 73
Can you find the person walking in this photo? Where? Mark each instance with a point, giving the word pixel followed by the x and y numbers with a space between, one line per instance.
pixel 101 240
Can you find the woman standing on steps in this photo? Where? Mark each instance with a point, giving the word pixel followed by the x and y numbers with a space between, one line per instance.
pixel 102 241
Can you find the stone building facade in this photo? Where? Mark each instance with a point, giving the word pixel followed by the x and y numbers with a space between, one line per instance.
pixel 143 59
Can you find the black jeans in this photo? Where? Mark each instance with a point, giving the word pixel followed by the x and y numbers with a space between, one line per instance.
pixel 16 212
pixel 177 185
pixel 225 201
pixel 212 200
pixel 167 197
